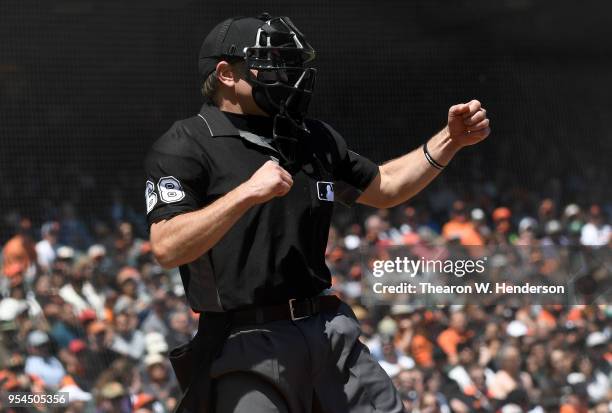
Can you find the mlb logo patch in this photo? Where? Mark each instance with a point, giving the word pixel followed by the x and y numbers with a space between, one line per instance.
pixel 325 191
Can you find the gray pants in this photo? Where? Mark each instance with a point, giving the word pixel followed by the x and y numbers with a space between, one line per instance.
pixel 312 365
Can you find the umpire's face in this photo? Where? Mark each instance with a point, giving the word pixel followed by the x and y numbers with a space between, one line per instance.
pixel 235 94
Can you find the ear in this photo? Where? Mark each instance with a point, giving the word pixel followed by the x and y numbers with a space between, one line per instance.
pixel 226 73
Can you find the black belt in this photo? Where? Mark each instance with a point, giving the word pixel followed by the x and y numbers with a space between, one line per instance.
pixel 191 362
pixel 294 309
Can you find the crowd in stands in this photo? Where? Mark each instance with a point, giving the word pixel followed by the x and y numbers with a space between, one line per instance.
pixel 89 312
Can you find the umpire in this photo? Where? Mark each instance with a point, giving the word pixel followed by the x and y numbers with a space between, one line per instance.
pixel 240 197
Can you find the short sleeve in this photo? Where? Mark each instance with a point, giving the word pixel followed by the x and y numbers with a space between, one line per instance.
pixel 352 171
pixel 176 175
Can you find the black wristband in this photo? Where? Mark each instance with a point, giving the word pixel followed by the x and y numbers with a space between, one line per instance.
pixel 431 160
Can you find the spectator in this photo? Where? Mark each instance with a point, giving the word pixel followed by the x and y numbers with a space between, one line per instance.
pixel 127 246
pixel 528 228
pixel 459 227
pixel 393 360
pixel 65 326
pixel 465 358
pixel 19 255
pixel 410 385
pixel 180 329
pixel 79 292
pixel 160 381
pixel 46 248
pixel 479 221
pixel 454 335
pixel 572 214
pixel 98 355
pixel 113 399
pixel 128 340
pixel 155 320
pixel 130 297
pixel 376 231
pixel 595 232
pixel 78 400
pixel 503 226
pixel 546 211
pixel 476 395
pixel 509 377
pixel 73 230
pixel 41 362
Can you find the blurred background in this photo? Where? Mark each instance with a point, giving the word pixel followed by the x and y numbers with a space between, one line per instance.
pixel 86 87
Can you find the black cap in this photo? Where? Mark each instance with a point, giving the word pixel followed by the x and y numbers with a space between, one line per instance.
pixel 228 40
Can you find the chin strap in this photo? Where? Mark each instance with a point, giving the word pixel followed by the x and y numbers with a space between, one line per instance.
pixel 287 133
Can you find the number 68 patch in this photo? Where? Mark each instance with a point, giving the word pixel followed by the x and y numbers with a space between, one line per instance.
pixel 169 189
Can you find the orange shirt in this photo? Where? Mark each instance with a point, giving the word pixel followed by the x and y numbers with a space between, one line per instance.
pixel 448 341
pixel 568 408
pixel 547 318
pixel 465 231
pixel 575 314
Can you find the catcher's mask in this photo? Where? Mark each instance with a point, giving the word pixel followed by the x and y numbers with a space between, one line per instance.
pixel 283 85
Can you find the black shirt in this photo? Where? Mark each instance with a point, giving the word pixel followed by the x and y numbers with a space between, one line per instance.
pixel 259 125
pixel 276 250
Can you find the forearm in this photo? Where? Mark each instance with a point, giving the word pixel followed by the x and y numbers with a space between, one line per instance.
pixel 185 237
pixel 404 177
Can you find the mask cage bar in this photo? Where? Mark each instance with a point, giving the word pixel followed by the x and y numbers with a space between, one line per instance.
pixel 284 26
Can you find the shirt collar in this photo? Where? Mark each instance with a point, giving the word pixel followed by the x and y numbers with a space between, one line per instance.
pixel 219 125
pixel 216 122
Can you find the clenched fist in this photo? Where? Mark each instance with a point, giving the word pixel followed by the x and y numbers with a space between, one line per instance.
pixel 269 181
pixel 468 123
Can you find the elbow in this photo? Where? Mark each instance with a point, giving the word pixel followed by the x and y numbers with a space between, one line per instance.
pixel 163 256
pixel 377 194
pixel 392 191
pixel 163 252
pixel 389 191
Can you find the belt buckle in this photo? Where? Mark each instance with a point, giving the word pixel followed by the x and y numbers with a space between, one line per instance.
pixel 291 309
